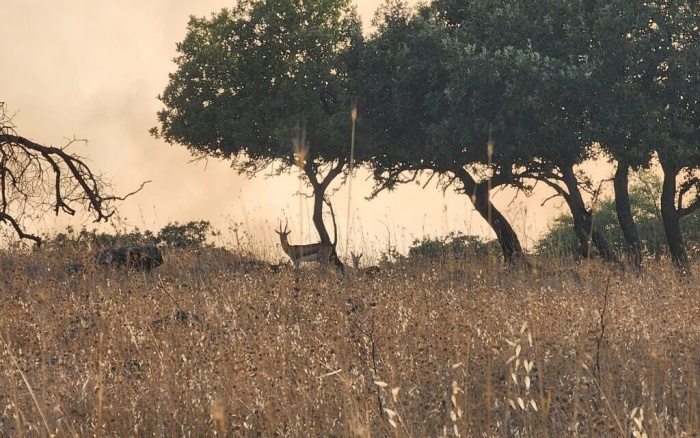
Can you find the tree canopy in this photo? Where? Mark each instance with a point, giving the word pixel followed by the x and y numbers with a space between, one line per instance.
pixel 246 78
pixel 408 104
pixel 483 94
pixel 646 103
pixel 268 82
pixel 547 85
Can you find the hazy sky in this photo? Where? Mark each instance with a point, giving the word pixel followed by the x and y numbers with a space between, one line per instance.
pixel 92 69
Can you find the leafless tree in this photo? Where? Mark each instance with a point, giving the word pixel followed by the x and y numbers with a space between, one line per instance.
pixel 37 179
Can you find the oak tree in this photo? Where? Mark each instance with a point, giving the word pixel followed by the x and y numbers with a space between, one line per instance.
pixel 406 101
pixel 268 82
pixel 646 57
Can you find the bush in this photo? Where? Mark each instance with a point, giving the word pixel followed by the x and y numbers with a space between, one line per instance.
pixel 190 235
pixel 454 246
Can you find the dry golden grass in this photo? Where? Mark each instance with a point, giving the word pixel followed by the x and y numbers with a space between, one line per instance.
pixel 422 350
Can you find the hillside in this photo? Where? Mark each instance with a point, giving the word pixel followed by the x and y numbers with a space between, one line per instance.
pixel 209 343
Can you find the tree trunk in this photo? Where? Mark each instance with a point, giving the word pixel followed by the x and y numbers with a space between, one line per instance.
pixel 318 216
pixel 624 215
pixel 584 228
pixel 319 196
pixel 479 195
pixel 671 219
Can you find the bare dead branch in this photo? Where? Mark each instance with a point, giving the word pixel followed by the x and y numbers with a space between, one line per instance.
pixel 36 179
pixel 20 233
pixel 122 198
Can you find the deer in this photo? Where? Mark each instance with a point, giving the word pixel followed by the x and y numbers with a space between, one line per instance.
pixel 312 252
pixel 368 272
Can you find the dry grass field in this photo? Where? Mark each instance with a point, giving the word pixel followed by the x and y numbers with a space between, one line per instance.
pixel 208 345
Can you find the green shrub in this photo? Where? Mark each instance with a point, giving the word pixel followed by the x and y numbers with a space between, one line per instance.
pixel 454 245
pixel 190 235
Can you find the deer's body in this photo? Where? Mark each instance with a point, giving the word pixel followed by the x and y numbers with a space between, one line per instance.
pixel 313 252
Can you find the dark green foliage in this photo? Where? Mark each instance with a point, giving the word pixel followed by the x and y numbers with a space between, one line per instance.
pixel 430 100
pixel 646 57
pixel 190 235
pixel 248 75
pixel 435 94
pixel 453 246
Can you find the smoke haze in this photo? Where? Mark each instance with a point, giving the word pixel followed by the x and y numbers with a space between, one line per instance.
pixel 91 69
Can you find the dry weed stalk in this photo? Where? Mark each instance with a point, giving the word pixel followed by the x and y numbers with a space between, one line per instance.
pixel 100 385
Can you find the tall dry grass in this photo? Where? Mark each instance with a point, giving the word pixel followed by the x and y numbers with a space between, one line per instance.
pixel 209 345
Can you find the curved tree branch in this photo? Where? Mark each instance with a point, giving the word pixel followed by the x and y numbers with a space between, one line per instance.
pixel 18 229
pixel 36 179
